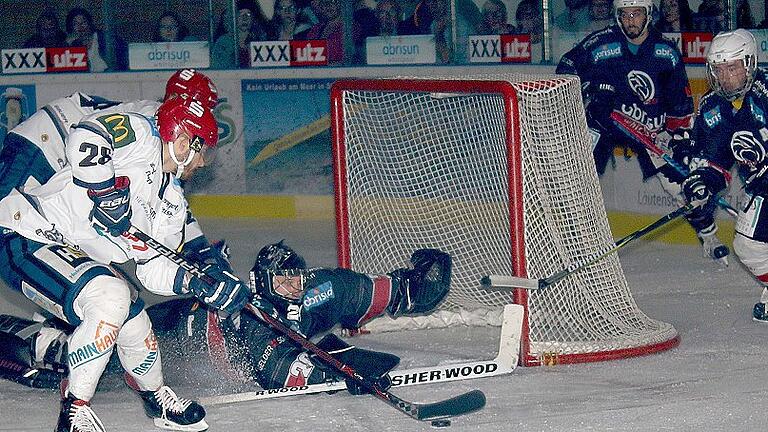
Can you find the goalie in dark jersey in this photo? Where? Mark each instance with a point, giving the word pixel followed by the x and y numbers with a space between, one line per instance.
pixel 312 300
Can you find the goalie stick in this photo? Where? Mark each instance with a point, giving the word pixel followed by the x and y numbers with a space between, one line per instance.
pixel 458 405
pixel 504 363
pixel 495 281
pixel 641 134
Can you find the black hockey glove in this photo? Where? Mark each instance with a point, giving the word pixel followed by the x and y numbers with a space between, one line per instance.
pixel 678 144
pixel 112 207
pixel 599 103
pixel 227 294
pixel 373 365
pixel 701 186
pixel 757 182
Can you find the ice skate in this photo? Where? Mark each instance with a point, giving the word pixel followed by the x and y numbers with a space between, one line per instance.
pixel 76 416
pixel 760 311
pixel 171 412
pixel 713 247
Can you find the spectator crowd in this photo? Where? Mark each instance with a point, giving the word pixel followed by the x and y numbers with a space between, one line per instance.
pixel 346 24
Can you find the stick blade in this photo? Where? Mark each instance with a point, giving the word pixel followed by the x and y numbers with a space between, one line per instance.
pixel 455 406
pixel 506 282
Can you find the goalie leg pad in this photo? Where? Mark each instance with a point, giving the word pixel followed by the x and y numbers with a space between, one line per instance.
pixel 421 289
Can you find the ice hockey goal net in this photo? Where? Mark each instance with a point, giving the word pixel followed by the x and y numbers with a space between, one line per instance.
pixel 497 171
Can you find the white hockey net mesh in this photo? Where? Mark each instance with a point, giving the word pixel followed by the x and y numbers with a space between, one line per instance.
pixel 431 170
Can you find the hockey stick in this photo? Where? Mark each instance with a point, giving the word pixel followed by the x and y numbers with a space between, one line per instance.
pixel 494 281
pixel 504 363
pixel 458 405
pixel 641 134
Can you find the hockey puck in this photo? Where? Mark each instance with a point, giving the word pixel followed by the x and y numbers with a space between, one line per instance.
pixel 441 423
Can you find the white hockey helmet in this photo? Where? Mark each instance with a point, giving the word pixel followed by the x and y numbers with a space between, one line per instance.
pixel 646 4
pixel 727 47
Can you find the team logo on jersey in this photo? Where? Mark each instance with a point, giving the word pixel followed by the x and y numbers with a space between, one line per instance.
pixel 642 85
pixel 318 295
pixel 299 371
pixel 607 51
pixel 712 117
pixel 666 52
pixel 747 149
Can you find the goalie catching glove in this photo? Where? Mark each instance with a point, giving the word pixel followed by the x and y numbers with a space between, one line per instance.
pixel 421 289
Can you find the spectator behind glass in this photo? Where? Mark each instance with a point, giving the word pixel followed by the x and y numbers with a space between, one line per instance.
pixel 433 17
pixel 575 17
pixel 676 16
pixel 530 21
pixel 711 17
pixel 600 15
pixel 744 18
pixel 47 32
pixel 330 26
pixel 81 32
pixel 286 21
pixel 170 29
pixel 494 19
pixel 251 26
pixel 389 15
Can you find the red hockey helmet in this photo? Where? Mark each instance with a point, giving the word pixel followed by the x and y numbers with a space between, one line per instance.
pixel 191 83
pixel 180 115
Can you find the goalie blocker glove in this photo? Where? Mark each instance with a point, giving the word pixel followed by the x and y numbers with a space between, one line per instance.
pixel 421 289
pixel 373 365
pixel 702 185
pixel 112 207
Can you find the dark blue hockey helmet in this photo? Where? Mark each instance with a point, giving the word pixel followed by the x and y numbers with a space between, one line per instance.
pixel 273 258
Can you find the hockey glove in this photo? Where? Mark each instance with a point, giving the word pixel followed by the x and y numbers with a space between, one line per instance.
pixel 373 365
pixel 599 103
pixel 677 143
pixel 757 182
pixel 205 254
pixel 112 207
pixel 701 186
pixel 227 294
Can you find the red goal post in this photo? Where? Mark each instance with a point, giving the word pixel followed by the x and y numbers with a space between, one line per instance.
pixel 498 172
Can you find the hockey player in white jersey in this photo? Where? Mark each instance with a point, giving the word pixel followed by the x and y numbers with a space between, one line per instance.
pixel 34 150
pixel 123 171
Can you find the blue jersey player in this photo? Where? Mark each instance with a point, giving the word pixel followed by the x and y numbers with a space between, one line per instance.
pixel 630 71
pixel 731 129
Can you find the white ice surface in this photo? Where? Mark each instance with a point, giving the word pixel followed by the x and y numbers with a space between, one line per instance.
pixel 714 381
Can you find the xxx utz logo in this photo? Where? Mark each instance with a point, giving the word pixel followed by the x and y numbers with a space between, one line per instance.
pixel 641 85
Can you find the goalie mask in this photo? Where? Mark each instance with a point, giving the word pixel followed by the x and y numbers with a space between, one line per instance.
pixel 278 270
pixel 647 5
pixel 732 63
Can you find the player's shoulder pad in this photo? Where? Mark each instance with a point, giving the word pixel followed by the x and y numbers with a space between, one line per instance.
pixel 120 128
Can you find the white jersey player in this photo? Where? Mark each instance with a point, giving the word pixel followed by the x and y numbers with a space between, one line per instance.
pixel 62 234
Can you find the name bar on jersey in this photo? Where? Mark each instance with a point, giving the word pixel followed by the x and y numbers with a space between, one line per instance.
pixel 499 49
pixel 44 60
pixel 289 53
